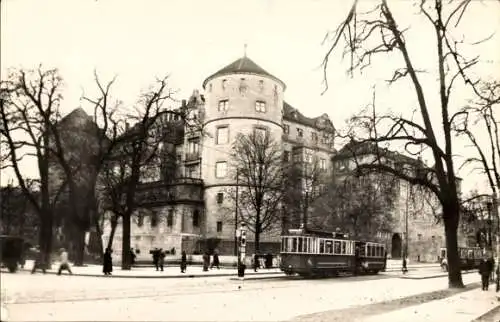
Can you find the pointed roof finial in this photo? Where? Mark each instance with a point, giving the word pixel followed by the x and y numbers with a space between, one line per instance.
pixel 245 50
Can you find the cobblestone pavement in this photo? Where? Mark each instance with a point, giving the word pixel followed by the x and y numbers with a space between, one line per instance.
pixel 69 298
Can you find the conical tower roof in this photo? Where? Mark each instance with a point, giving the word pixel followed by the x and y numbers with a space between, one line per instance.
pixel 244 65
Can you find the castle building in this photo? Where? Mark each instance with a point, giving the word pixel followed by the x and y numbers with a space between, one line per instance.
pixel 191 213
pixel 185 205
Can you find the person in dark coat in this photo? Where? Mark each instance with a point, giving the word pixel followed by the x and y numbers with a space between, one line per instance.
pixel 491 266
pixel 156 256
pixel 405 267
pixel 206 261
pixel 256 263
pixel 107 263
pixel 161 259
pixel 183 261
pixel 39 261
pixel 484 271
pixel 269 260
pixel 132 257
pixel 215 262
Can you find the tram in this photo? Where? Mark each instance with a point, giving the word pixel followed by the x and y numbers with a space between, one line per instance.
pixel 470 258
pixel 312 253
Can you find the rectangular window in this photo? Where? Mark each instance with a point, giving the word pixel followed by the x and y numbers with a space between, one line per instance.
pixel 300 133
pixel 260 106
pixel 193 146
pixel 220 197
pixel 170 218
pixel 286 128
pixel 286 156
pixel 322 164
pixel 196 218
pixel 314 137
pixel 223 105
pixel 219 226
pixel 260 132
pixel 222 135
pixel 221 169
pixel 309 158
pixel 140 219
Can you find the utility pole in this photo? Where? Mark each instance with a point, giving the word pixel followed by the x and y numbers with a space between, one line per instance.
pixel 306 205
pixel 406 220
pixel 236 213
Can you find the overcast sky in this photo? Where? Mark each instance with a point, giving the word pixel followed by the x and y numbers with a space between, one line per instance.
pixel 138 40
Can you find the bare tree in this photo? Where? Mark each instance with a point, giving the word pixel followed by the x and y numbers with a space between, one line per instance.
pixel 481 119
pixel 304 183
pixel 260 174
pixel 376 32
pixel 137 156
pixel 29 102
pixel 362 205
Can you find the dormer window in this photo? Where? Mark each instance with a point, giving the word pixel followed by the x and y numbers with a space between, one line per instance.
pixel 314 137
pixel 260 106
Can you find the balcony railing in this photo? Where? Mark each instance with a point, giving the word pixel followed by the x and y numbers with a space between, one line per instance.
pixel 193 156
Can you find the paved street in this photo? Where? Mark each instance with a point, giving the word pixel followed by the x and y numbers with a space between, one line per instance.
pixel 66 298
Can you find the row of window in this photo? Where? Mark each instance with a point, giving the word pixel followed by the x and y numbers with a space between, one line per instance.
pixel 242 86
pixel 170 218
pixel 308 158
pixel 260 106
pixel 314 135
pixel 314 245
pixel 222 134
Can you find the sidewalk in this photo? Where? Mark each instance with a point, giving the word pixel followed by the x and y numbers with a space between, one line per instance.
pixel 421 273
pixel 150 272
pixel 464 307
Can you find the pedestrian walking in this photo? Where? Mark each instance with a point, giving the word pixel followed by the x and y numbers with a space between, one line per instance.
pixel 256 263
pixel 64 265
pixel 132 257
pixel 206 261
pixel 156 256
pixel 39 261
pixel 215 262
pixel 183 261
pixel 491 267
pixel 107 263
pixel 484 271
pixel 405 267
pixel 161 259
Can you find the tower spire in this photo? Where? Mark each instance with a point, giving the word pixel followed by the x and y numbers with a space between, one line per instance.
pixel 245 50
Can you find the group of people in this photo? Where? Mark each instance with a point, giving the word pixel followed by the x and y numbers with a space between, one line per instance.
pixel 40 262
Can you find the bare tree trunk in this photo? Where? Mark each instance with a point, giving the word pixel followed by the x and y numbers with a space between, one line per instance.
pixel 114 224
pixel 45 237
pixel 79 246
pixel 257 233
pixel 126 242
pixel 451 225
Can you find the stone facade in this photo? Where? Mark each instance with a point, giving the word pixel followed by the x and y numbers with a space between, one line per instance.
pixel 238 99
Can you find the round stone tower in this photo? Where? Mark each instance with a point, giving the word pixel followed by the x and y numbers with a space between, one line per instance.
pixel 240 98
